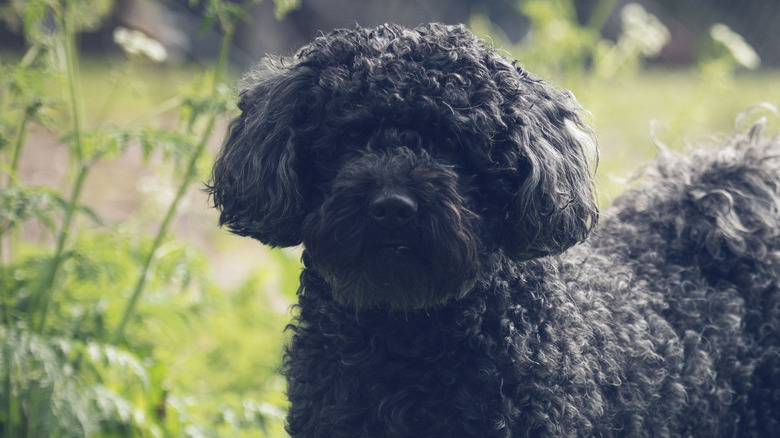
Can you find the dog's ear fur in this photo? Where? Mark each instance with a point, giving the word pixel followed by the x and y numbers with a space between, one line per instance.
pixel 255 181
pixel 546 161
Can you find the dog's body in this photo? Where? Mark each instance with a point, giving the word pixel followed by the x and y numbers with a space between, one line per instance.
pixel 439 192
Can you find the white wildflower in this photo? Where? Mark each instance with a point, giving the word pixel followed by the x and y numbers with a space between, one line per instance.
pixel 643 30
pixel 740 50
pixel 134 42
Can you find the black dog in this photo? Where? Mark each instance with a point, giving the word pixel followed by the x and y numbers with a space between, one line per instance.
pixel 435 187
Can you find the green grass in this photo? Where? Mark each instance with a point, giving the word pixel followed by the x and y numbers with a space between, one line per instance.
pixel 683 109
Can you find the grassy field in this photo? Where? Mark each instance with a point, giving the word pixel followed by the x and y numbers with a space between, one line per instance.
pixel 684 111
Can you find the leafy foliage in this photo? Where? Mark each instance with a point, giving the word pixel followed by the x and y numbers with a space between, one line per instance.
pixel 94 314
pixel 64 387
pixel 17 204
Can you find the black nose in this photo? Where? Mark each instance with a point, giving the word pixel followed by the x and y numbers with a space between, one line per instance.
pixel 392 210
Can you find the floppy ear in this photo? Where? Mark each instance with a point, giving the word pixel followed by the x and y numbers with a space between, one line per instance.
pixel 255 182
pixel 548 161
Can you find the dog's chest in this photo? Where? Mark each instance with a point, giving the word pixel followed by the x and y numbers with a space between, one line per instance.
pixel 441 374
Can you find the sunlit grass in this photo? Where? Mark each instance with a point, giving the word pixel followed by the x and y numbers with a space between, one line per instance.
pixel 682 111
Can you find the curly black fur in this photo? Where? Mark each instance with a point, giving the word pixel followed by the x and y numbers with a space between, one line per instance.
pixel 439 191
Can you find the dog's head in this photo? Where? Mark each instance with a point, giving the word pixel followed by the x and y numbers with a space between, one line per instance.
pixel 402 159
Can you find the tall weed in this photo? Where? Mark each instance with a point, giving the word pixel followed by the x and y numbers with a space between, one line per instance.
pixel 94 313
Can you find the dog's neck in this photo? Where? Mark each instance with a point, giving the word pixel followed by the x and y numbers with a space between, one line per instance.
pixel 504 274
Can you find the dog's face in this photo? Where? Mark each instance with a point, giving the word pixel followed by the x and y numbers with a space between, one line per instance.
pixel 402 159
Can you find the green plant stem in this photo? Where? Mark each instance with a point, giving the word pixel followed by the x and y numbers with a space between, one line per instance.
pixel 74 86
pixel 42 297
pixel 220 68
pixel 20 139
pixel 162 231
pixel 8 367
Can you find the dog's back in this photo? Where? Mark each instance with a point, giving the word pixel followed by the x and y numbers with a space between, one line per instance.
pixel 698 245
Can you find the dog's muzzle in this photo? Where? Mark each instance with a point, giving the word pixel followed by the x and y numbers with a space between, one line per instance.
pixel 395 233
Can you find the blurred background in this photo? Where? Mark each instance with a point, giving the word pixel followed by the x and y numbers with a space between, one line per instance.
pixel 126 311
pixel 282 27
